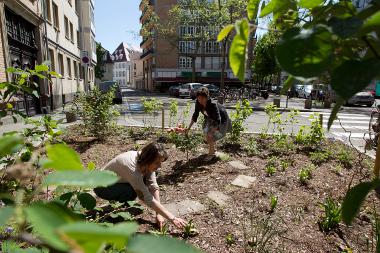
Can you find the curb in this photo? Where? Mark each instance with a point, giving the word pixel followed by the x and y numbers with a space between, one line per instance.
pixel 261 109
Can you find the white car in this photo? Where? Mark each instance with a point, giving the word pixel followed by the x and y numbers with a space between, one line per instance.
pixel 185 89
pixel 304 91
pixel 362 98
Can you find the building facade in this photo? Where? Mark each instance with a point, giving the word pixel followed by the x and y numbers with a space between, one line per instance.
pixel 33 32
pixel 107 66
pixel 136 70
pixel 123 67
pixel 165 64
pixel 87 40
pixel 21 45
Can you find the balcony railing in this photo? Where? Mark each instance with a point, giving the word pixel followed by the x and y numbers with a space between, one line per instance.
pixel 144 40
pixel 150 51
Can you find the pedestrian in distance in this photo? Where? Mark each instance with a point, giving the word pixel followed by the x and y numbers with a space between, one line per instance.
pixel 137 178
pixel 217 122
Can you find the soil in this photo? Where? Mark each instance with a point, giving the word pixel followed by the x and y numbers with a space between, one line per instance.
pixel 293 226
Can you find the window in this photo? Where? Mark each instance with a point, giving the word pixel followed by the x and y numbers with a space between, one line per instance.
pixel 216 47
pixel 52 60
pixel 71 32
pixel 186 46
pixel 208 47
pixel 75 69
pixel 123 73
pixel 69 74
pixel 123 65
pixel 55 16
pixel 61 65
pixel 78 39
pixel 48 10
pixel 185 62
pixel 92 15
pixel 67 28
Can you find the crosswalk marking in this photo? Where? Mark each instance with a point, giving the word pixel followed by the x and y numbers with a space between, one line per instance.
pixel 357 125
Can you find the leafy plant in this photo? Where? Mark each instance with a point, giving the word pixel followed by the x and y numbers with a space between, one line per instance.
pixel 173 111
pixel 284 165
pixel 230 239
pixel 252 147
pixel 190 229
pixel 319 157
pixel 97 112
pixel 242 112
pixel 151 106
pixel 345 157
pixel 293 118
pixel 185 142
pixel 186 112
pixel 305 174
pixel 332 215
pixel 312 135
pixel 273 203
pixel 164 231
pixel 270 170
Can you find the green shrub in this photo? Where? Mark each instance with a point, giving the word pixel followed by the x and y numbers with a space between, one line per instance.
pixel 97 112
pixel 252 147
pixel 332 215
pixel 345 157
pixel 151 106
pixel 186 143
pixel 242 112
pixel 305 174
pixel 319 157
pixel 312 135
pixel 173 111
pixel 273 203
pixel 270 170
pixel 284 165
pixel 230 239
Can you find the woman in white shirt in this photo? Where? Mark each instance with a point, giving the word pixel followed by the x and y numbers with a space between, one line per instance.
pixel 137 178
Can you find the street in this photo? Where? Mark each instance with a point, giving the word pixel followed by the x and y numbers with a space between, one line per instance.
pixel 352 125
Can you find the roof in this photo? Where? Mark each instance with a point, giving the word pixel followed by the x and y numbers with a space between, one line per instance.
pixel 123 52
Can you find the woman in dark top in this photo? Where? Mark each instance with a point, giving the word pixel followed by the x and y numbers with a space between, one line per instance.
pixel 217 123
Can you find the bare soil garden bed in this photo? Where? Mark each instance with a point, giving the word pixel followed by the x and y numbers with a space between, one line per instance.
pixel 239 226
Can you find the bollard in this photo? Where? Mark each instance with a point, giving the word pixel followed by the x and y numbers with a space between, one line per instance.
pixel 163 119
pixel 321 119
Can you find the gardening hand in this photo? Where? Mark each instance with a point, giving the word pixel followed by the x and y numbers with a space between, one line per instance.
pixel 160 221
pixel 179 223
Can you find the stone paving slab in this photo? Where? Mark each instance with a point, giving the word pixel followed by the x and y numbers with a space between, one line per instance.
pixel 243 181
pixel 141 142
pixel 238 165
pixel 218 197
pixel 222 156
pixel 184 207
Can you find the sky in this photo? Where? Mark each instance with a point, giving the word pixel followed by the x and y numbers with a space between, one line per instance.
pixel 117 21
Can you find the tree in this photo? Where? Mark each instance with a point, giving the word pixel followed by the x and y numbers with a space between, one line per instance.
pixel 264 62
pixel 100 52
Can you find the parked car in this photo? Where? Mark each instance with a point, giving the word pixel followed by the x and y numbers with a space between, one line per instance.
pixel 174 90
pixel 305 91
pixel 195 88
pixel 185 90
pixel 213 89
pixel 107 85
pixel 362 98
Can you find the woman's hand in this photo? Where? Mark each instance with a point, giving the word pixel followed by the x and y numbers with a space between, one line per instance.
pixel 160 221
pixel 179 223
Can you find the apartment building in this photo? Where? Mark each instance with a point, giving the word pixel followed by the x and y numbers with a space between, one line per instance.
pixel 87 39
pixel 20 45
pixel 165 64
pixel 107 66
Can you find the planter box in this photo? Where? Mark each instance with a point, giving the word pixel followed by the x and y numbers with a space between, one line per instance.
pixel 277 102
pixel 71 117
pixel 308 103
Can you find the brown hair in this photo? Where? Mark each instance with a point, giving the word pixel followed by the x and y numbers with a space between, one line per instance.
pixel 203 92
pixel 150 153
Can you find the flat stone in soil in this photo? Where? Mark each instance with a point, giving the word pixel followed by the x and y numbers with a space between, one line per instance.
pixel 218 197
pixel 184 207
pixel 238 165
pixel 243 181
pixel 141 142
pixel 221 155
